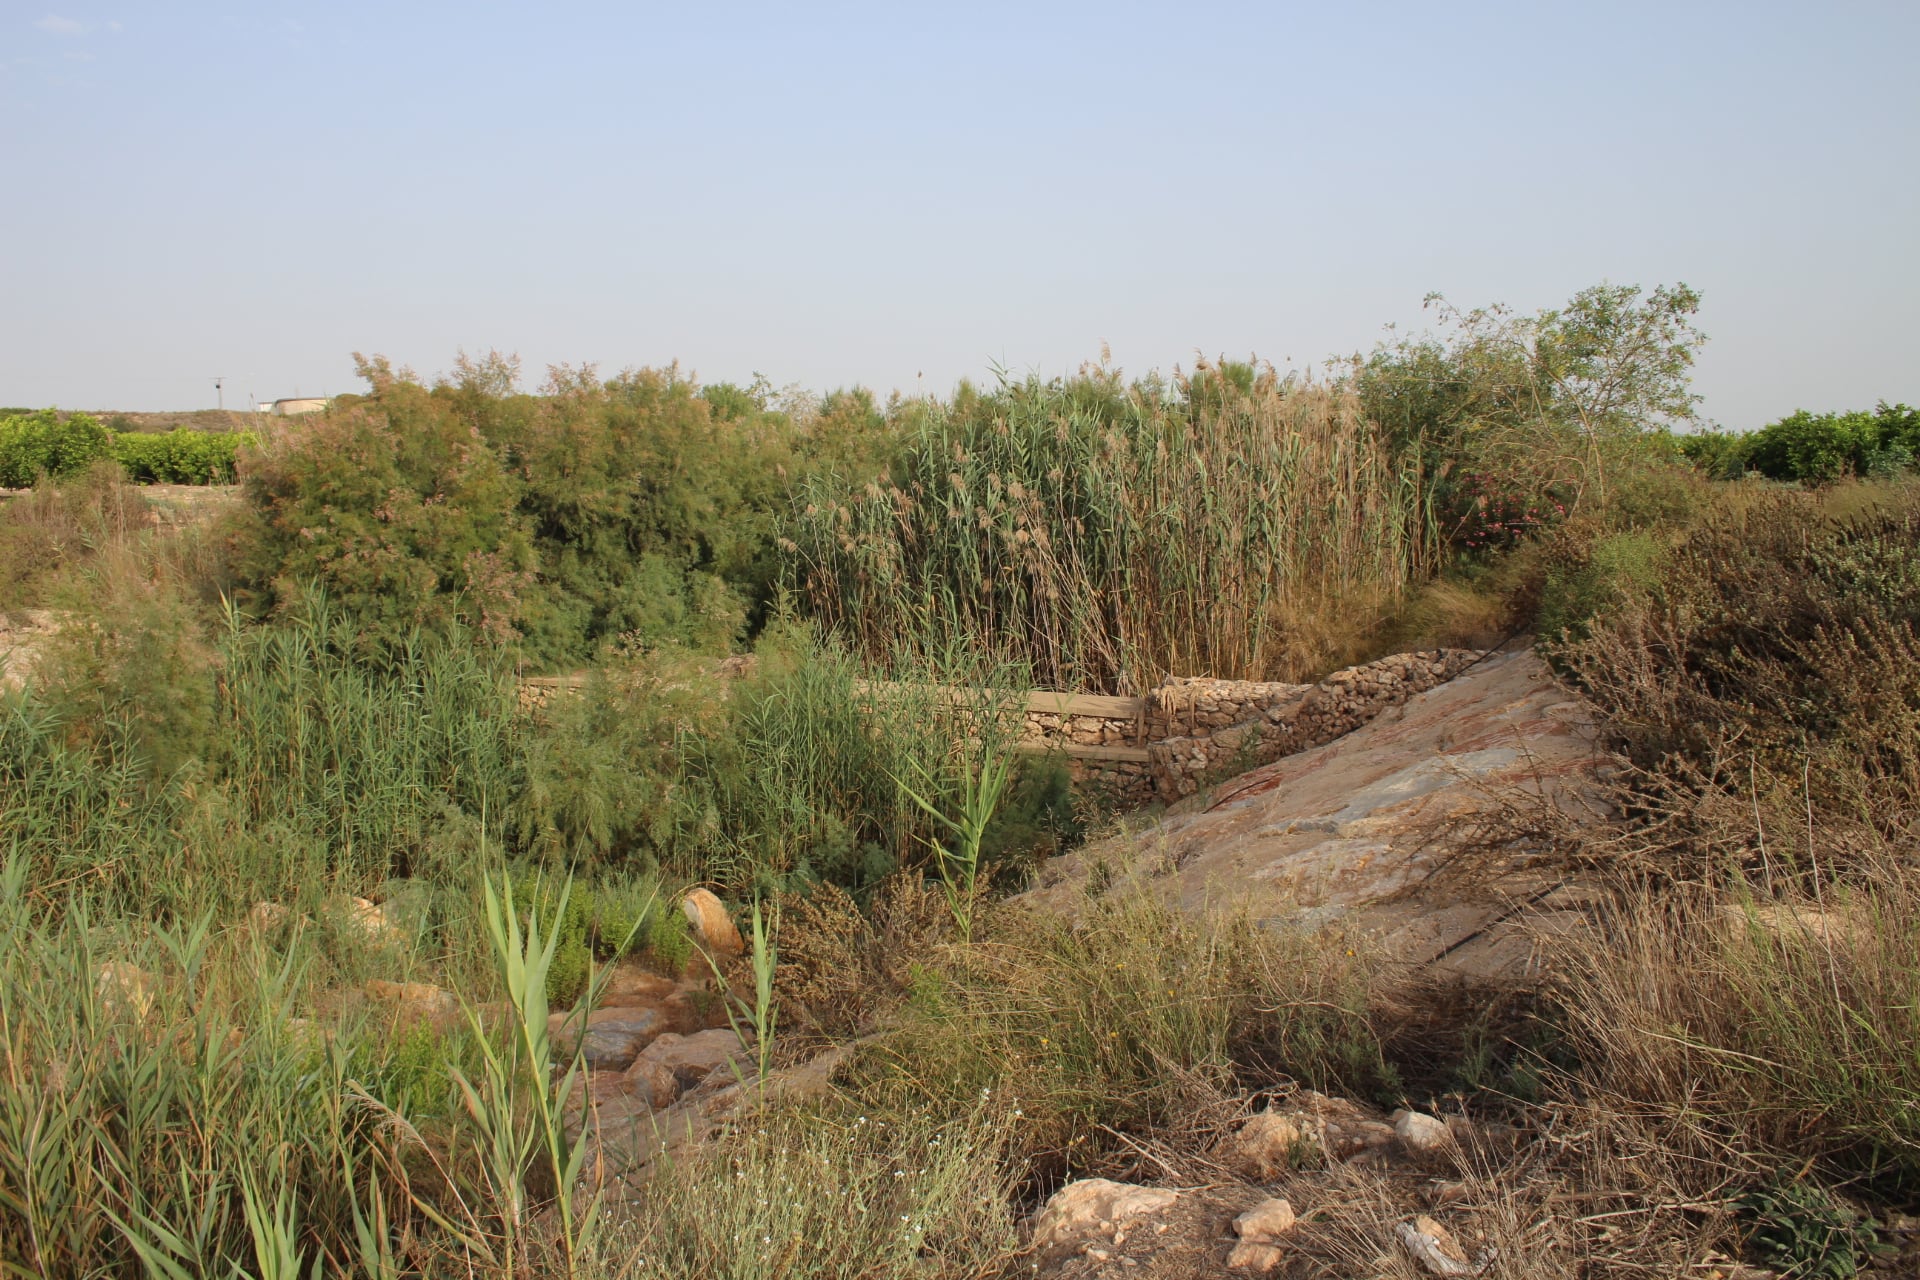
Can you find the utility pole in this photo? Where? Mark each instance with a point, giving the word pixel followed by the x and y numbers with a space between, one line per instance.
pixel 220 390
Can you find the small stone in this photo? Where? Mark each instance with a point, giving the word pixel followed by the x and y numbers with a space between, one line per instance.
pixel 1268 1143
pixel 406 992
pixel 414 1002
pixel 629 983
pixel 265 917
pixel 614 1044
pixel 1421 1133
pixel 1094 1207
pixel 374 922
pixel 1251 1256
pixel 1266 1222
pixel 674 1063
pixel 1348 1136
pixel 1435 1248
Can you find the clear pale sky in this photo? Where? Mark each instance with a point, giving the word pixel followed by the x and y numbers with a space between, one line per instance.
pixel 902 195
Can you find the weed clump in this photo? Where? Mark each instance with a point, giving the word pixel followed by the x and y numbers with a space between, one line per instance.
pixel 1134 1017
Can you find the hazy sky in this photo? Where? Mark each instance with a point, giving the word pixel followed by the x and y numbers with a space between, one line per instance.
pixel 900 195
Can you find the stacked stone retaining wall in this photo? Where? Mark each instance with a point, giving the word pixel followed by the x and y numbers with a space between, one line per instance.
pixel 1190 730
pixel 1299 721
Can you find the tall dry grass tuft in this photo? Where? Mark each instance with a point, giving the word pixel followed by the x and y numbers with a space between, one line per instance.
pixel 1111 535
pixel 1136 1017
pixel 835 1193
pixel 1765 1031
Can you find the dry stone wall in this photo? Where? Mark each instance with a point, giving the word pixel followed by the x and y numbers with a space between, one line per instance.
pixel 1189 730
pixel 1314 716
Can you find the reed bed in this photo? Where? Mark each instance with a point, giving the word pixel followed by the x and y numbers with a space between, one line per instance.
pixel 1111 535
pixel 309 769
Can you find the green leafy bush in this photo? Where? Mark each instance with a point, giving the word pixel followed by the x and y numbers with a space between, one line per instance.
pixel 398 512
pixel 652 521
pixel 33 445
pixel 1819 448
pixel 1528 412
pixel 415 1073
pixel 181 456
pixel 50 444
pixel 1799 1228
pixel 625 912
pixel 1719 455
pixel 600 514
pixel 1612 567
pixel 669 939
pixel 1816 448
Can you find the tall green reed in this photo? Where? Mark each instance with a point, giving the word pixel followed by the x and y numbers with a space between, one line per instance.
pixel 517 1104
pixel 319 768
pixel 365 753
pixel 1113 535
pixel 789 775
pixel 163 1110
pixel 981 785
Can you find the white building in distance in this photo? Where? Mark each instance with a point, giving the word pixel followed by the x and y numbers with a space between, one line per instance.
pixel 286 408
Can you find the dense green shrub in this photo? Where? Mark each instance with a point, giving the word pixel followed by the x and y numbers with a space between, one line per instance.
pixel 650 520
pixel 398 511
pixel 1819 448
pixel 181 456
pixel 1612 567
pixel 48 443
pixel 1816 448
pixel 1502 417
pixel 33 445
pixel 599 513
pixel 1804 1230
pixel 1719 455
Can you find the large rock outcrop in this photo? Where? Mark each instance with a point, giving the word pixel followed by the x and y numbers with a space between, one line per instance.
pixel 1424 825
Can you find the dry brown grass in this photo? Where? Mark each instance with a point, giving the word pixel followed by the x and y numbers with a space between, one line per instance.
pixel 1765 691
pixel 54 528
pixel 1761 1031
pixel 1586 1195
